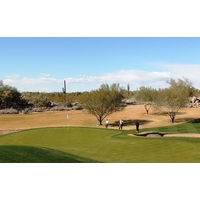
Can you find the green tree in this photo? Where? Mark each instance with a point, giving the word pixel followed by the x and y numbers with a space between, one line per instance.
pixel 104 101
pixel 172 99
pixel 9 96
pixel 146 95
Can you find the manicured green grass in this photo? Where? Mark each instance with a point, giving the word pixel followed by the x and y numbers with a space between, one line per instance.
pixel 72 144
pixel 28 154
pixel 190 127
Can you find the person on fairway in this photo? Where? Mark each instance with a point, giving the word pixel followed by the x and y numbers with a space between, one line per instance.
pixel 107 122
pixel 121 123
pixel 137 124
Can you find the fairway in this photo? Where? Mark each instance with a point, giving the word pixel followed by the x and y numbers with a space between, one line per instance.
pixel 51 137
pixel 75 144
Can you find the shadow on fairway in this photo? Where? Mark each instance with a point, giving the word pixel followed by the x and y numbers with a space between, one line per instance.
pixel 28 154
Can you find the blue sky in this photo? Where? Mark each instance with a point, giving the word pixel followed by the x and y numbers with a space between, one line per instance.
pixel 41 64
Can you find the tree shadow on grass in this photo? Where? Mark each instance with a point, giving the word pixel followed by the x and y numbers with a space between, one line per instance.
pixel 130 122
pixel 197 120
pixel 191 120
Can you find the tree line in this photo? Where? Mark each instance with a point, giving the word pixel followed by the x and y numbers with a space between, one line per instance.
pixel 13 101
pixel 108 99
pixel 105 100
pixel 169 100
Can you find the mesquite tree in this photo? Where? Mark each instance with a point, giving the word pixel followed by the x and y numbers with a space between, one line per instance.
pixel 172 99
pixel 146 95
pixel 104 101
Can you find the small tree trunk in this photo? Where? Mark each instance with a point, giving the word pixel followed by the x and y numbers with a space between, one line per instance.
pixel 172 116
pixel 147 108
pixel 100 121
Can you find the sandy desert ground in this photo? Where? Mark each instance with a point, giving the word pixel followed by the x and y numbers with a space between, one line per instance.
pixel 82 118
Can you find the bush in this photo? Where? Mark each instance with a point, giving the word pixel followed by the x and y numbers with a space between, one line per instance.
pixel 77 107
pixel 27 111
pixel 9 97
pixel 58 108
pixel 9 111
pixel 39 109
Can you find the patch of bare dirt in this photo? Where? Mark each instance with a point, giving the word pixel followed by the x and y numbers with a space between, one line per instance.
pixel 11 123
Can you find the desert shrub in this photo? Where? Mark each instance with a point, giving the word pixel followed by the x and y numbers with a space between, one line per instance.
pixel 9 111
pixel 9 97
pixel 69 104
pixel 27 111
pixel 38 109
pixel 58 108
pixel 77 107
pixel 41 100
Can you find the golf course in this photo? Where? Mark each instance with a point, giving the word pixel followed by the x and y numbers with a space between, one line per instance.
pixel 51 137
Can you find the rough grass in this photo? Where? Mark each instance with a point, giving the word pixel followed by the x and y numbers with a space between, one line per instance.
pixel 100 145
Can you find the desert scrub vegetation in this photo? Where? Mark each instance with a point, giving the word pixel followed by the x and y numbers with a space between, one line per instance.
pixel 9 111
pixel 14 102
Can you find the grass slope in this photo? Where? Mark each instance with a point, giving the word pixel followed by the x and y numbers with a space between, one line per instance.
pixel 102 145
pixel 28 154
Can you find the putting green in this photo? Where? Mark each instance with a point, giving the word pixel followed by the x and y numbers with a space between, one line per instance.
pixel 96 145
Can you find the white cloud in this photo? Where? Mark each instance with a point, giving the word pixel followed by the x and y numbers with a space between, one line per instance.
pixel 136 79
pixel 123 76
pixel 48 80
pixel 13 76
pixel 8 81
pixel 190 71
pixel 45 75
pixel 36 81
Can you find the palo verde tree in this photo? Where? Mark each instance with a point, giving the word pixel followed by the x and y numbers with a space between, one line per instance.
pixel 104 101
pixel 172 99
pixel 146 95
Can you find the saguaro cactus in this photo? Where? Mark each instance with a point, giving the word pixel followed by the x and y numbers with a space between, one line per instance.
pixel 128 89
pixel 64 88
